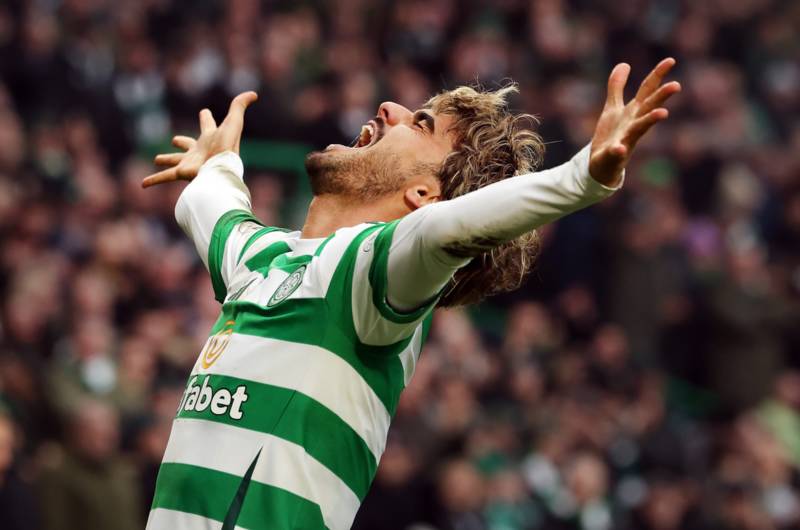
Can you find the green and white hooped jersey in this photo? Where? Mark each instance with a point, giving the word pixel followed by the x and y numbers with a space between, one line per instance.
pixel 286 412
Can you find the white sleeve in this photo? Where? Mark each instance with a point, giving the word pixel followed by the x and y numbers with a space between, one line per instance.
pixel 433 242
pixel 214 211
pixel 218 188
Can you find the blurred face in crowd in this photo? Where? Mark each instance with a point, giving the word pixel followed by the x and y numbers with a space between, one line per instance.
pixel 587 477
pixel 6 445
pixel 665 506
pixel 398 150
pixel 397 464
pixel 461 488
pixel 95 431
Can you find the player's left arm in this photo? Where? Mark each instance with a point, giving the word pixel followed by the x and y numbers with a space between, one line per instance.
pixel 433 242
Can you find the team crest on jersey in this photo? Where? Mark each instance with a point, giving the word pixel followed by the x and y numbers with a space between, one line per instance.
pixel 287 287
pixel 215 345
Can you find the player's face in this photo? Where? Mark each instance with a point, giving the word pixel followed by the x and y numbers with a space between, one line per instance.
pixel 396 149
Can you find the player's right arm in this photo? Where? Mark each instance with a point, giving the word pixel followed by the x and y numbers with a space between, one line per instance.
pixel 214 209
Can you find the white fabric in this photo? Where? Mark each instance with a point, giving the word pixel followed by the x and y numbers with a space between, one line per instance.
pixel 410 355
pixel 218 188
pixel 419 264
pixel 164 519
pixel 332 383
pixel 370 325
pixel 281 463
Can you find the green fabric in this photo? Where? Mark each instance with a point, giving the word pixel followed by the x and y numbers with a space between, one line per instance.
pixel 295 417
pixel 209 493
pixel 229 523
pixel 255 237
pixel 298 320
pixel 288 414
pixel 216 247
pixel 262 260
pixel 275 257
pixel 290 263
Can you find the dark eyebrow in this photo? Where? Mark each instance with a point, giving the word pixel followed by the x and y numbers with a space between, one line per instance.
pixel 430 123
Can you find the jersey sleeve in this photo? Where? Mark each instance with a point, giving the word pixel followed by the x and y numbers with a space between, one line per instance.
pixel 433 242
pixel 214 210
pixel 376 322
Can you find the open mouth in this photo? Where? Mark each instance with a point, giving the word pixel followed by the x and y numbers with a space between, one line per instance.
pixel 370 135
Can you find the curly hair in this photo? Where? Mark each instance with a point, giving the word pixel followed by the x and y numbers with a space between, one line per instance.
pixel 491 144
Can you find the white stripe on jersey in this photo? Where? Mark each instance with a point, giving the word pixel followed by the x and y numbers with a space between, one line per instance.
pixel 313 371
pixel 281 463
pixel 164 519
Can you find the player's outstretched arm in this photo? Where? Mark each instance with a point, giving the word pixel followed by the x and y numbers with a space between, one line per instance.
pixel 216 198
pixel 213 140
pixel 420 261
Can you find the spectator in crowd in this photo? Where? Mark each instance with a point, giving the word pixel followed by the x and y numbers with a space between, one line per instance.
pixel 87 483
pixel 17 499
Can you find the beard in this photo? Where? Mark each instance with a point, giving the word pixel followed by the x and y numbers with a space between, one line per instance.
pixel 362 175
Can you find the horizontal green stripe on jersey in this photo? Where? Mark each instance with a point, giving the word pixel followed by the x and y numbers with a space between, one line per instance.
pixel 333 383
pixel 293 416
pixel 270 460
pixel 298 320
pixel 210 493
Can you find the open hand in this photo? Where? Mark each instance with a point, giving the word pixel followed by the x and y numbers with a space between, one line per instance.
pixel 621 126
pixel 212 141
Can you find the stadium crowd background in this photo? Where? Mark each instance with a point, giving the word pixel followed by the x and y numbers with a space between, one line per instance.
pixel 646 378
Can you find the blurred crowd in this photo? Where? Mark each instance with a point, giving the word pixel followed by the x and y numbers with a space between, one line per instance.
pixel 647 377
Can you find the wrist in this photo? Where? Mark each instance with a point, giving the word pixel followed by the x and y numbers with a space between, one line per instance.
pixel 225 160
pixel 612 180
pixel 606 169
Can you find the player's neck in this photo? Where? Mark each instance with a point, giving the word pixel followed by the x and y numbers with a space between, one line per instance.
pixel 328 213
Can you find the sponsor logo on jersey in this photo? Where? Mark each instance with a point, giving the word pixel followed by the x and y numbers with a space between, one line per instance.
pixel 215 345
pixel 220 401
pixel 287 287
